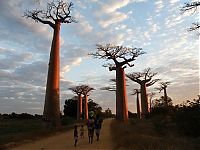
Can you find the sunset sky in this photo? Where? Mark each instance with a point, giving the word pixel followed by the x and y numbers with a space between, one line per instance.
pixel 157 26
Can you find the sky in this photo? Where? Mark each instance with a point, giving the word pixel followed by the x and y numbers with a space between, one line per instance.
pixel 157 26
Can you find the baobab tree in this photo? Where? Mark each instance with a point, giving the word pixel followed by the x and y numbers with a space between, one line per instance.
pixel 54 16
pixel 137 92
pixel 86 91
pixel 192 6
pixel 144 79
pixel 163 86
pixel 151 95
pixel 78 90
pixel 122 57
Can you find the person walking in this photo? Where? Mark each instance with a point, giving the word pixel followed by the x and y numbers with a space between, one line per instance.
pixel 82 131
pixel 90 126
pixel 97 126
pixel 75 135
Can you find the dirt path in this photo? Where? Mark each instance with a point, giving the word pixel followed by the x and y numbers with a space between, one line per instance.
pixel 65 141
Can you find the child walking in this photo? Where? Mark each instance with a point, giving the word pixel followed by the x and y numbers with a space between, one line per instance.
pixel 75 135
pixel 90 125
pixel 82 131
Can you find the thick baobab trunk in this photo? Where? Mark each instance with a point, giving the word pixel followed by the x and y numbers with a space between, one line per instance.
pixel 138 106
pixel 86 107
pixel 119 109
pixel 79 107
pixel 165 97
pixel 121 97
pixel 144 101
pixel 51 112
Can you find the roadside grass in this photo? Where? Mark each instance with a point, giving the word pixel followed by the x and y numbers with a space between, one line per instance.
pixel 17 131
pixel 148 135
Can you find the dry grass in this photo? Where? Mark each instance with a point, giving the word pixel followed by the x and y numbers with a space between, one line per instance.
pixel 143 135
pixel 15 132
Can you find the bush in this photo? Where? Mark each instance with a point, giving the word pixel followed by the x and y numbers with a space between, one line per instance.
pixel 187 118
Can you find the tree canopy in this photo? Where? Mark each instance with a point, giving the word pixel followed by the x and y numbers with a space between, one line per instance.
pixel 60 11
pixel 145 76
pixel 119 54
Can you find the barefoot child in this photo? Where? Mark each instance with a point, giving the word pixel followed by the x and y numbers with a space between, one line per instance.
pixel 82 131
pixel 75 135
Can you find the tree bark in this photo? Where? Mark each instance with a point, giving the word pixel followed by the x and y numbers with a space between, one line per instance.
pixel 86 107
pixel 121 97
pixel 138 106
pixel 79 107
pixel 51 112
pixel 165 97
pixel 144 100
pixel 150 101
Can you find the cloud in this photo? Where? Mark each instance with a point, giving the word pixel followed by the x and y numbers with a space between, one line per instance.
pixel 159 6
pixel 13 57
pixel 112 6
pixel 173 2
pixel 109 13
pixel 113 18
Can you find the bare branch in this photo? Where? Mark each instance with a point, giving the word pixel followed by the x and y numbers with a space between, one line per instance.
pixel 54 12
pixel 119 54
pixel 86 89
pixel 195 26
pixel 82 89
pixel 152 82
pixel 77 90
pixel 38 16
pixel 135 77
pixel 136 91
pixel 163 85
pixel 145 76
pixel 190 6
pixel 110 66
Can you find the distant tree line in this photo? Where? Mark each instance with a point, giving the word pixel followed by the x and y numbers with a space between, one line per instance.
pixel 14 115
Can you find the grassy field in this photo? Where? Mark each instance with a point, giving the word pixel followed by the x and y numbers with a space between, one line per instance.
pixel 148 135
pixel 14 131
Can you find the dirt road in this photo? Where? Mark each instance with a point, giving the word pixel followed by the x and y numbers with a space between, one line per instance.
pixel 64 141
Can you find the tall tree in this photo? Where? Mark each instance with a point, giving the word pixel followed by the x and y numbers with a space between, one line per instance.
pixel 122 57
pixel 54 15
pixel 151 95
pixel 86 91
pixel 163 86
pixel 78 91
pixel 144 79
pixel 192 6
pixel 137 92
